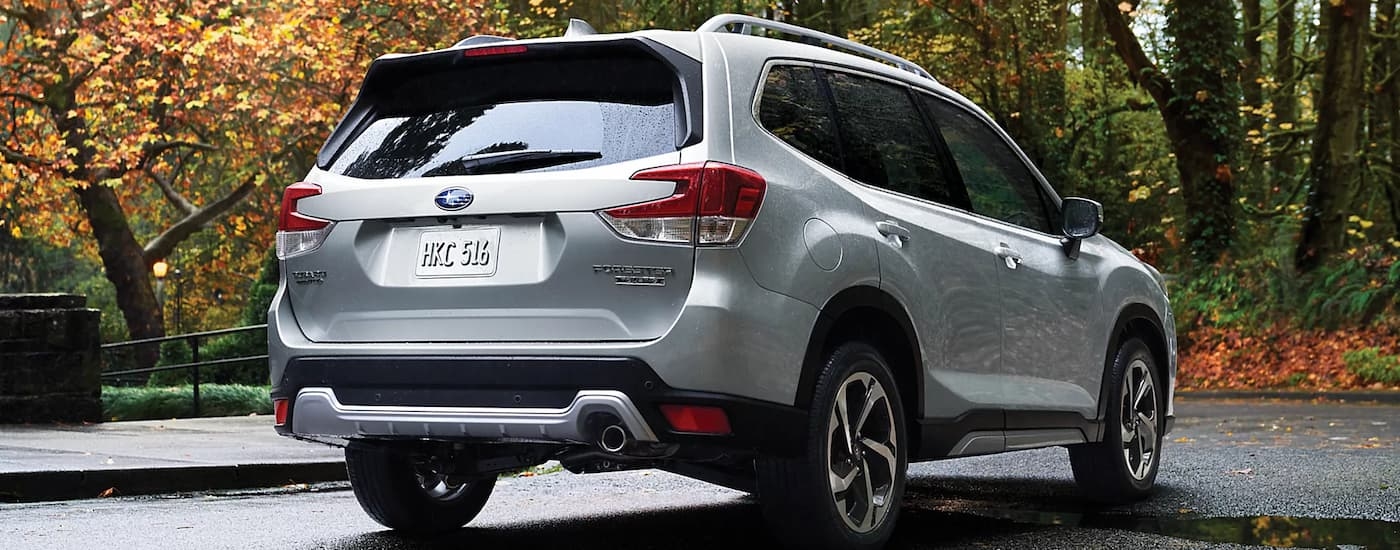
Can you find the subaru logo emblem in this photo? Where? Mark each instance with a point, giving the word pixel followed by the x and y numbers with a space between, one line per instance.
pixel 453 198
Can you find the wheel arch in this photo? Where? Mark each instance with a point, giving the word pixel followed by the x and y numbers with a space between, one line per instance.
pixel 1135 320
pixel 869 314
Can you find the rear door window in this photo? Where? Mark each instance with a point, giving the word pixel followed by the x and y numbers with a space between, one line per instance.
pixel 885 142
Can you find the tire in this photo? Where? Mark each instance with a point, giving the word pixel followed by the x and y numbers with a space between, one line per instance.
pixel 801 503
pixel 405 496
pixel 1122 468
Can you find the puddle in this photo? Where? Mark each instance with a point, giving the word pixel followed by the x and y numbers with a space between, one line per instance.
pixel 1276 531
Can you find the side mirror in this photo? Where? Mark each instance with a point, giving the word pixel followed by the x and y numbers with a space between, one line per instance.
pixel 1079 220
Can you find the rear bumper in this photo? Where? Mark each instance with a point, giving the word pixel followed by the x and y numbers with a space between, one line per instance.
pixel 542 399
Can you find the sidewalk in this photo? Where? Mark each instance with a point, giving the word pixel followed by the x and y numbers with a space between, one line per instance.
pixel 156 456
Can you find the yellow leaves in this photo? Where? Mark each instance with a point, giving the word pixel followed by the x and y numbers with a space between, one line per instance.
pixel 1140 193
pixel 1285 126
pixel 16 232
pixel 161 20
pixel 1335 3
pixel 1354 218
pixel 1366 224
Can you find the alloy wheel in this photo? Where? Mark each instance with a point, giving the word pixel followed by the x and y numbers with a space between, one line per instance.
pixel 437 485
pixel 862 453
pixel 1138 419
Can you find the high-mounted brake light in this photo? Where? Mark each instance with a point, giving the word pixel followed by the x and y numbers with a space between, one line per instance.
pixel 298 233
pixel 494 50
pixel 713 204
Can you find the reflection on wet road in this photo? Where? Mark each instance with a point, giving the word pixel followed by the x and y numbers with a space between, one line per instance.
pixel 1234 475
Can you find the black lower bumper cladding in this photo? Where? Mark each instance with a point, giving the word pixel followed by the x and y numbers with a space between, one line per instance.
pixel 543 382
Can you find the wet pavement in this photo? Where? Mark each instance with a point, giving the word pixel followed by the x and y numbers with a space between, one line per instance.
pixel 1235 474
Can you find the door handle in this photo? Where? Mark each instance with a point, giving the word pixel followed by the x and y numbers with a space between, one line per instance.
pixel 1008 255
pixel 892 229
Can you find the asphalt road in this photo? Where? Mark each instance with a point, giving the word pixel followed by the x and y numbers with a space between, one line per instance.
pixel 1282 474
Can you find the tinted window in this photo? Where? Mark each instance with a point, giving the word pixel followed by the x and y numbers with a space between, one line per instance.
pixel 885 142
pixel 794 109
pixel 999 184
pixel 468 119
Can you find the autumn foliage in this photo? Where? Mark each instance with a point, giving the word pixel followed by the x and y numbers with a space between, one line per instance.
pixel 128 127
pixel 1280 357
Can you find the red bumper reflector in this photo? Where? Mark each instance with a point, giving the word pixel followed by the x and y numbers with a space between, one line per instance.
pixel 696 419
pixel 279 412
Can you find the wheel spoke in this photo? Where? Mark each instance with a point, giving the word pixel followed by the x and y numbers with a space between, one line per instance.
pixel 1148 432
pixel 882 450
pixel 840 483
pixel 1144 388
pixel 873 394
pixel 867 519
pixel 844 419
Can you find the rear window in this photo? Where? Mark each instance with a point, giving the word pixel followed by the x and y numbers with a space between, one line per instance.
pixel 514 115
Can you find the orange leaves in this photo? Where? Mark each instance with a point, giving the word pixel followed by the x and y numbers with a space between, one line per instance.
pixel 1277 358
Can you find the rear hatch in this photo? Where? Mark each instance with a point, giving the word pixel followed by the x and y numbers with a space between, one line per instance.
pixel 461 199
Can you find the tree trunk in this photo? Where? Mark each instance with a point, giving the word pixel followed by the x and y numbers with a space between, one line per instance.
pixel 1251 73
pixel 122 257
pixel 125 268
pixel 1333 177
pixel 1385 108
pixel 1199 107
pixel 1286 99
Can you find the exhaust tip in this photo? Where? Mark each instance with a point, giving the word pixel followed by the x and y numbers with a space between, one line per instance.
pixel 613 438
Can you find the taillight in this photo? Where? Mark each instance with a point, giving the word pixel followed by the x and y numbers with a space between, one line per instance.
pixel 279 412
pixel 714 204
pixel 297 233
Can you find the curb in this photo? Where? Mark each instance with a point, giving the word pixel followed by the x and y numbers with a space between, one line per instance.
pixel 1386 397
pixel 70 485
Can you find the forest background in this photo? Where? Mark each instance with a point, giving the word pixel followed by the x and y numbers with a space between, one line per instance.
pixel 1246 149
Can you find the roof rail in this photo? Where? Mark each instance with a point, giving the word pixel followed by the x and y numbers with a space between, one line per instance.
pixel 479 39
pixel 721 23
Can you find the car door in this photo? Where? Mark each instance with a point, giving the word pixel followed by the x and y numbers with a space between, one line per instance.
pixel 1049 301
pixel 933 260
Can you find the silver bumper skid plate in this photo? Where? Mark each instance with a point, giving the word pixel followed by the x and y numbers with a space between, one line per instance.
pixel 318 412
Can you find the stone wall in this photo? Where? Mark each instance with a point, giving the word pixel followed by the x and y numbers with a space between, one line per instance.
pixel 49 363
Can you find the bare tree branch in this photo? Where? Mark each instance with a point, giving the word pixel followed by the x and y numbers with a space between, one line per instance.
pixel 1140 67
pixel 167 188
pixel 165 243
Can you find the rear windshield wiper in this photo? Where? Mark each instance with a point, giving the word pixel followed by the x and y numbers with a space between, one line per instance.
pixel 510 161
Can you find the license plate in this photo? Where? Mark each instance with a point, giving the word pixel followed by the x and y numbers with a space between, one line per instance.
pixel 458 252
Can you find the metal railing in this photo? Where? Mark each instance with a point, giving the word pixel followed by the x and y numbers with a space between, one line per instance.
pixel 193 366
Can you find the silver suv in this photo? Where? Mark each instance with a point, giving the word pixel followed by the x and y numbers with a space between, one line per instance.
pixel 785 267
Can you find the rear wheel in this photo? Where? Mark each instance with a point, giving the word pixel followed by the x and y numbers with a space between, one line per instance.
pixel 1123 467
pixel 846 491
pixel 405 492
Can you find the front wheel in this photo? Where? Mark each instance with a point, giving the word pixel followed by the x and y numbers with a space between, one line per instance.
pixel 846 491
pixel 1123 467
pixel 404 493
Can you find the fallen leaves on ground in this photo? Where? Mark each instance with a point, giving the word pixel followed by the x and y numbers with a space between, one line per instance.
pixel 1279 358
